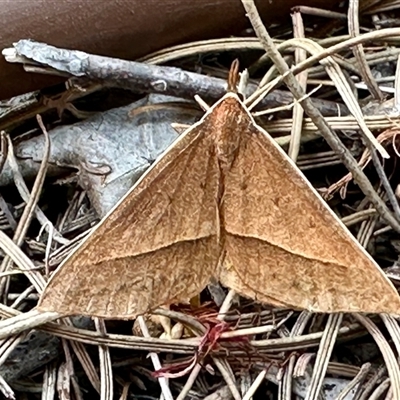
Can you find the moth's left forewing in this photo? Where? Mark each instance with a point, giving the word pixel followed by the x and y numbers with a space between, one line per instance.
pixel 156 247
pixel 284 243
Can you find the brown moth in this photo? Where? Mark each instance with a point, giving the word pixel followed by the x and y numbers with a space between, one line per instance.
pixel 223 200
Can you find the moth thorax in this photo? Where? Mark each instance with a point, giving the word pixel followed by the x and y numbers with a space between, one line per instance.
pixel 226 146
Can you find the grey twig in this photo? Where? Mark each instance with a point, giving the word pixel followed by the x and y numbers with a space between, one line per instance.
pixel 143 78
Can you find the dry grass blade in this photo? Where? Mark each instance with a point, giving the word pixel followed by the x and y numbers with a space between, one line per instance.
pixel 363 393
pixel 6 389
pixel 223 364
pixel 190 382
pixel 33 319
pixel 387 353
pixel 106 374
pixel 31 199
pixel 255 385
pixel 298 112
pixel 27 215
pixel 374 122
pixel 85 360
pixel 354 29
pixel 324 353
pixel 342 85
pixel 163 382
pixel 6 348
pixel 24 321
pixel 228 376
pixel 361 376
pixel 394 330
pixel 344 45
pixel 28 320
pixel 22 261
pixel 285 384
pixel 8 345
pixel 381 390
pixel 64 376
pixel 203 46
pixel 49 382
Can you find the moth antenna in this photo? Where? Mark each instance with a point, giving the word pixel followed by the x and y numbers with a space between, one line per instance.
pixel 233 77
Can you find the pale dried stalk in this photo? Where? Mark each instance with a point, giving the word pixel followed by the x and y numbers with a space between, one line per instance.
pixel 24 321
pixel 344 89
pixel 285 384
pixel 362 374
pixel 163 382
pixel 366 230
pixel 228 376
pixel 298 112
pixel 49 382
pixel 285 107
pixel 257 382
pixel 21 297
pixel 27 214
pixel 324 353
pixel 22 261
pixel 65 375
pixel 8 345
pixel 6 389
pixel 84 358
pixel 387 353
pixel 364 392
pixel 194 373
pixel 373 122
pixel 397 85
pixel 223 364
pixel 394 330
pixel 344 45
pixel 380 390
pixel 263 90
pixel 33 319
pixel 204 46
pixel 31 198
pixel 358 216
pixel 106 374
pixel 358 51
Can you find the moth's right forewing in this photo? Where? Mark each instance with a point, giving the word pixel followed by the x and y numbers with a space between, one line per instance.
pixel 283 243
